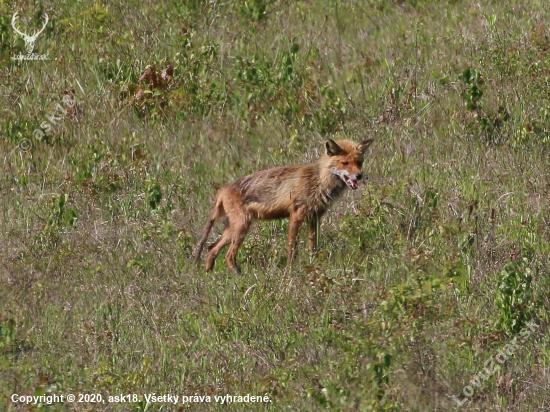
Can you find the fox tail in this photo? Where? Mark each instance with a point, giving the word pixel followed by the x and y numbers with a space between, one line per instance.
pixel 216 212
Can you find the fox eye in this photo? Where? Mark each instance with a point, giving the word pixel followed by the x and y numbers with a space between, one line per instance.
pixel 345 163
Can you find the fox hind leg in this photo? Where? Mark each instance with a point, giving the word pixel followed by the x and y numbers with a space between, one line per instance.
pixel 218 245
pixel 213 245
pixel 239 231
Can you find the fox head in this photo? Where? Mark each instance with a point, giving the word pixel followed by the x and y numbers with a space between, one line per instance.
pixel 346 160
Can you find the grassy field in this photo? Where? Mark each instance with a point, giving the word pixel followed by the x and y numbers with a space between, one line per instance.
pixel 426 273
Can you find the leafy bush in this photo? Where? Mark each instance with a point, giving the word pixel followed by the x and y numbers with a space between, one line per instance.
pixel 513 296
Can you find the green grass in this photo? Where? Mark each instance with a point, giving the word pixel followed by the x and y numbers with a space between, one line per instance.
pixel 424 273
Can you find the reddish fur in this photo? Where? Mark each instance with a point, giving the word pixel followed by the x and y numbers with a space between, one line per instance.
pixel 296 192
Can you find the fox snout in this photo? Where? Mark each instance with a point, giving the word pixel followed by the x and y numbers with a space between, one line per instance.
pixel 351 180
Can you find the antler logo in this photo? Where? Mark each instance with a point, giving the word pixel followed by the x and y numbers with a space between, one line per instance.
pixel 29 40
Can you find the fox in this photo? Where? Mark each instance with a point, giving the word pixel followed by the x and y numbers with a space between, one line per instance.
pixel 299 193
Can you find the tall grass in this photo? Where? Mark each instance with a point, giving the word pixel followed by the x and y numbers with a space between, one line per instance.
pixel 425 272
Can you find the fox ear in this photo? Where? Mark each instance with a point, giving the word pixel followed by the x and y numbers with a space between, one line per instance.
pixel 332 148
pixel 364 145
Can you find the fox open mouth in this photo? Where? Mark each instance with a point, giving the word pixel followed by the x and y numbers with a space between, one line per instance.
pixel 352 183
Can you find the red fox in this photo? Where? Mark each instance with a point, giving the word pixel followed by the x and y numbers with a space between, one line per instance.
pixel 297 192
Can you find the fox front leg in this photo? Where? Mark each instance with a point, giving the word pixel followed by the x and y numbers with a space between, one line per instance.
pixel 297 217
pixel 313 226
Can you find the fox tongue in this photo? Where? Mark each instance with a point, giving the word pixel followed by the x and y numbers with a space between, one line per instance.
pixel 353 184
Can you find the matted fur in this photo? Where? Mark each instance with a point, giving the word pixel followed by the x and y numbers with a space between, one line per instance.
pixel 297 192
